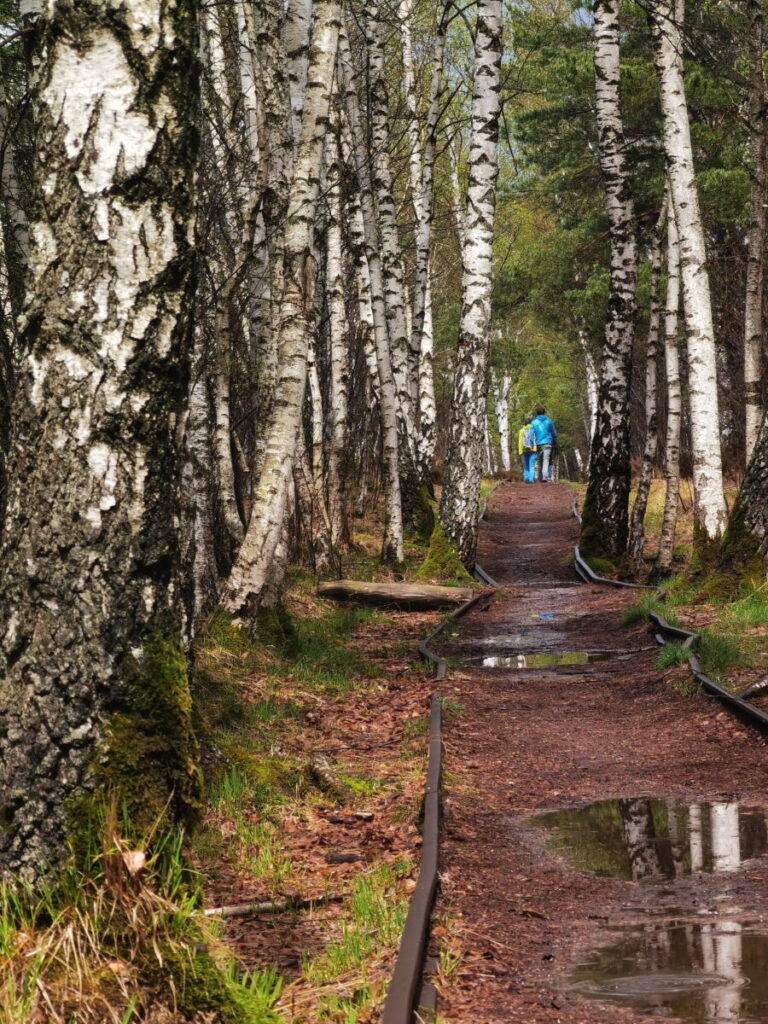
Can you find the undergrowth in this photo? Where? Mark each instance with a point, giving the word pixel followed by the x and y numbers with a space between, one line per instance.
pixel 118 935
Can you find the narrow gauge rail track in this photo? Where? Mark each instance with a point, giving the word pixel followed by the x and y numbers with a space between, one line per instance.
pixel 664 633
pixel 410 989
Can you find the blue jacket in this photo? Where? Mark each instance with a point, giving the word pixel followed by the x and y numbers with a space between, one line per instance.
pixel 544 430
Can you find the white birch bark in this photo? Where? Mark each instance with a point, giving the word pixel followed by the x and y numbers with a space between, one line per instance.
pixel 593 387
pixel 90 593
pixel 393 276
pixel 753 302
pixel 365 243
pixel 296 34
pixel 337 330
pixel 461 488
pixel 637 528
pixel 421 176
pixel 242 592
pixel 674 400
pixel 605 515
pixel 501 385
pixel 710 508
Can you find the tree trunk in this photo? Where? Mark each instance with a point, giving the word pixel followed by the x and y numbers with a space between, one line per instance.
pixel 421 175
pixel 753 303
pixel 339 384
pixel 370 280
pixel 94 682
pixel 461 488
pixel 242 592
pixel 605 515
pixel 637 528
pixel 502 383
pixel 710 509
pixel 404 360
pixel 593 388
pixel 674 401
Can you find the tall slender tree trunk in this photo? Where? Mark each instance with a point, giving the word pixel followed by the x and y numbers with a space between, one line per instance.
pixel 637 528
pixel 404 360
pixel 370 284
pixel 421 175
pixel 243 591
pixel 753 303
pixel 710 510
pixel 501 385
pixel 91 659
pixel 463 470
pixel 674 401
pixel 605 514
pixel 339 361
pixel 593 388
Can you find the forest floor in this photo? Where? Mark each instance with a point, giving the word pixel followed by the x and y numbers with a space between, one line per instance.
pixel 521 929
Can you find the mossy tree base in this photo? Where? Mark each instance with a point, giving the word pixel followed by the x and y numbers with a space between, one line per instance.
pixel 443 563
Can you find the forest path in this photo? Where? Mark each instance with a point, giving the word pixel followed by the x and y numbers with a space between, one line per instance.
pixel 539 739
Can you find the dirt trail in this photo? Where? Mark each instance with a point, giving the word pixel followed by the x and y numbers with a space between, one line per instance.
pixel 555 737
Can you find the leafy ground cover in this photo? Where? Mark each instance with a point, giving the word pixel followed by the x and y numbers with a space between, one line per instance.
pixel 734 629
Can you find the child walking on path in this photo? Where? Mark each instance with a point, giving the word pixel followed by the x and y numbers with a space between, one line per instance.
pixel 526 448
pixel 544 435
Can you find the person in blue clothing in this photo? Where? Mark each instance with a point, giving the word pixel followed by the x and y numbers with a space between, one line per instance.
pixel 545 435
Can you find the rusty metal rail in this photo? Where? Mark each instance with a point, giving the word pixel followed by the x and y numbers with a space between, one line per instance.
pixel 408 992
pixel 664 633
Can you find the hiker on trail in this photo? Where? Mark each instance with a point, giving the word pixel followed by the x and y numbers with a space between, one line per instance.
pixel 545 435
pixel 526 449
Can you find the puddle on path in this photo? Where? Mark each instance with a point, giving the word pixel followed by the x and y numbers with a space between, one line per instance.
pixel 646 838
pixel 546 660
pixel 701 973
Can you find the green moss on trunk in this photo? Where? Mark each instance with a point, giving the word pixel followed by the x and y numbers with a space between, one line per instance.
pixel 149 753
pixel 442 564
pixel 593 543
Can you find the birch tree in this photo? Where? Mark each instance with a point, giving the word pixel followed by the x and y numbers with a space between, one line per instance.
pixel 90 643
pixel 710 511
pixel 753 303
pixel 421 162
pixel 605 514
pixel 463 469
pixel 674 401
pixel 243 590
pixel 637 529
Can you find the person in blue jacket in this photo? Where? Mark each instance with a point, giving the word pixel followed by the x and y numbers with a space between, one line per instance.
pixel 545 435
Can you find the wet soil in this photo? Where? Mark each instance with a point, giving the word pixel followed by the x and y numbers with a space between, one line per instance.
pixel 528 914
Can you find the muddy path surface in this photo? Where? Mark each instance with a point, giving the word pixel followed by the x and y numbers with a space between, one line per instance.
pixel 648 894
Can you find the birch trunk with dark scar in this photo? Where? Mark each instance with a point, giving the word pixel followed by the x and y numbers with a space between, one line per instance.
pixel 710 511
pixel 421 176
pixel 674 401
pixel 753 304
pixel 339 384
pixel 637 529
pixel 605 515
pixel 198 522
pixel 365 244
pixel 296 35
pixel 393 277
pixel 91 660
pixel 464 461
pixel 242 592
pixel 224 144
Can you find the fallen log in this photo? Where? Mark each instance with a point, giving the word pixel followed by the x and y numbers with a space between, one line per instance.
pixel 412 596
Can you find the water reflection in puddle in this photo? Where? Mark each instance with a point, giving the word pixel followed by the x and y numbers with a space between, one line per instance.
pixel 545 660
pixel 645 838
pixel 702 973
